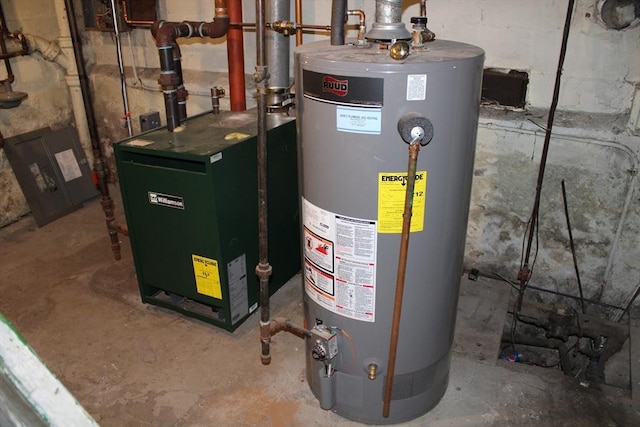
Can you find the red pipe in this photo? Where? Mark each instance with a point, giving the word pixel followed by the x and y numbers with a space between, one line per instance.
pixel 235 58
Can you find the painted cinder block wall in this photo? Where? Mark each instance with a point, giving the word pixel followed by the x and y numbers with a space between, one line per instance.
pixel 593 149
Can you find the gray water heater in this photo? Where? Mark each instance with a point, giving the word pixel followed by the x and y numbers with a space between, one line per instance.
pixel 353 171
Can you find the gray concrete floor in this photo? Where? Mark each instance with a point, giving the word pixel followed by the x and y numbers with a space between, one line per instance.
pixel 131 364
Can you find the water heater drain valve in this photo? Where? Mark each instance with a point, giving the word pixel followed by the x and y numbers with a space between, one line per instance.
pixel 325 343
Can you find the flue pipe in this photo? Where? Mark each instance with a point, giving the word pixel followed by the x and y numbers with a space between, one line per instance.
pixel 99 166
pixel 388 24
pixel 235 58
pixel 277 45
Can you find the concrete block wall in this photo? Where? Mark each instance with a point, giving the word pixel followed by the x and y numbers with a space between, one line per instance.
pixel 593 148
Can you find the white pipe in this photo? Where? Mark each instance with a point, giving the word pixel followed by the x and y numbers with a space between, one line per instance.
pixel 72 79
pixel 49 50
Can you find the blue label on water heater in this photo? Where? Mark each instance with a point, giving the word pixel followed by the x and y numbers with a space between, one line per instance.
pixel 359 120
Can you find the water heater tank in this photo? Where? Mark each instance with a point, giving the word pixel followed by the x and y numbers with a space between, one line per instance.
pixel 353 169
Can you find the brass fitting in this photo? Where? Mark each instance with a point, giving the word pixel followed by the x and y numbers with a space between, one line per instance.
pixel 373 371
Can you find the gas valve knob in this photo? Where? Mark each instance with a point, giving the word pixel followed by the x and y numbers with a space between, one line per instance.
pixel 318 351
pixel 415 128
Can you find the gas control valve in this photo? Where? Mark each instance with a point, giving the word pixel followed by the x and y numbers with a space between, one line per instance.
pixel 324 343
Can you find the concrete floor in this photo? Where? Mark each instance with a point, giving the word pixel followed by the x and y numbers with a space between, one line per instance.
pixel 131 364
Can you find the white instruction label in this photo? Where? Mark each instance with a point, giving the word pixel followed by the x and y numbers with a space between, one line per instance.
pixel 340 262
pixel 359 120
pixel 68 165
pixel 416 87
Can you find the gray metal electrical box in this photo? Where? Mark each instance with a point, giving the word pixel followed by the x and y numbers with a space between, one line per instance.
pixel 52 170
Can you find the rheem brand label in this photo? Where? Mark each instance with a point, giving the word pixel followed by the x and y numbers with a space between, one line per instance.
pixel 166 200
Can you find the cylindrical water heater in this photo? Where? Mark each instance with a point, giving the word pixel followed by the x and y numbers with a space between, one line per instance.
pixel 353 172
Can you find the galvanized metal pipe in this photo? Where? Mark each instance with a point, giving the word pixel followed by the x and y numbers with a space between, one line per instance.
pixel 278 45
pixel 414 149
pixel 388 11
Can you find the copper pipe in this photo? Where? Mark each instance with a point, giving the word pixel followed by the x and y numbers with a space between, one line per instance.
pixel 242 24
pixel 298 13
pixel 414 149
pixel 235 59
pixel 362 28
pixel 132 22
pixel 221 10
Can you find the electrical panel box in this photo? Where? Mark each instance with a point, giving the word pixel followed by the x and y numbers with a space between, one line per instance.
pixel 191 204
pixel 52 170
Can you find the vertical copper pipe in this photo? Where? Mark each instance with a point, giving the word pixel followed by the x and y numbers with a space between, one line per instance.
pixel 235 58
pixel 299 22
pixel 414 149
pixel 221 9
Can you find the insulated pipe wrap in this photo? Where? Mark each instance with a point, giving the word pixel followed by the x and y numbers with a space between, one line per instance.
pixel 338 18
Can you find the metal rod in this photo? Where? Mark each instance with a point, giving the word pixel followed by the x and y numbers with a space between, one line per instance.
pixel 525 273
pixel 263 269
pixel 414 149
pixel 235 59
pixel 123 82
pixel 99 166
pixel 573 249
pixel 298 13
pixel 423 7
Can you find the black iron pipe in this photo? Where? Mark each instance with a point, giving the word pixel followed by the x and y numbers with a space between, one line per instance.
pixel 166 34
pixel 181 90
pixel 571 244
pixel 169 81
pixel 99 165
pixel 338 19
pixel 263 269
pixel 525 273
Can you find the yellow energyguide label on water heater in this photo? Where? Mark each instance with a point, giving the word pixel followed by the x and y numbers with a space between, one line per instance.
pixel 207 276
pixel 392 188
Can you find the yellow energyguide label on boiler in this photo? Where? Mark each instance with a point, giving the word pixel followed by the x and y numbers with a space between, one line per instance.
pixel 392 188
pixel 207 276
